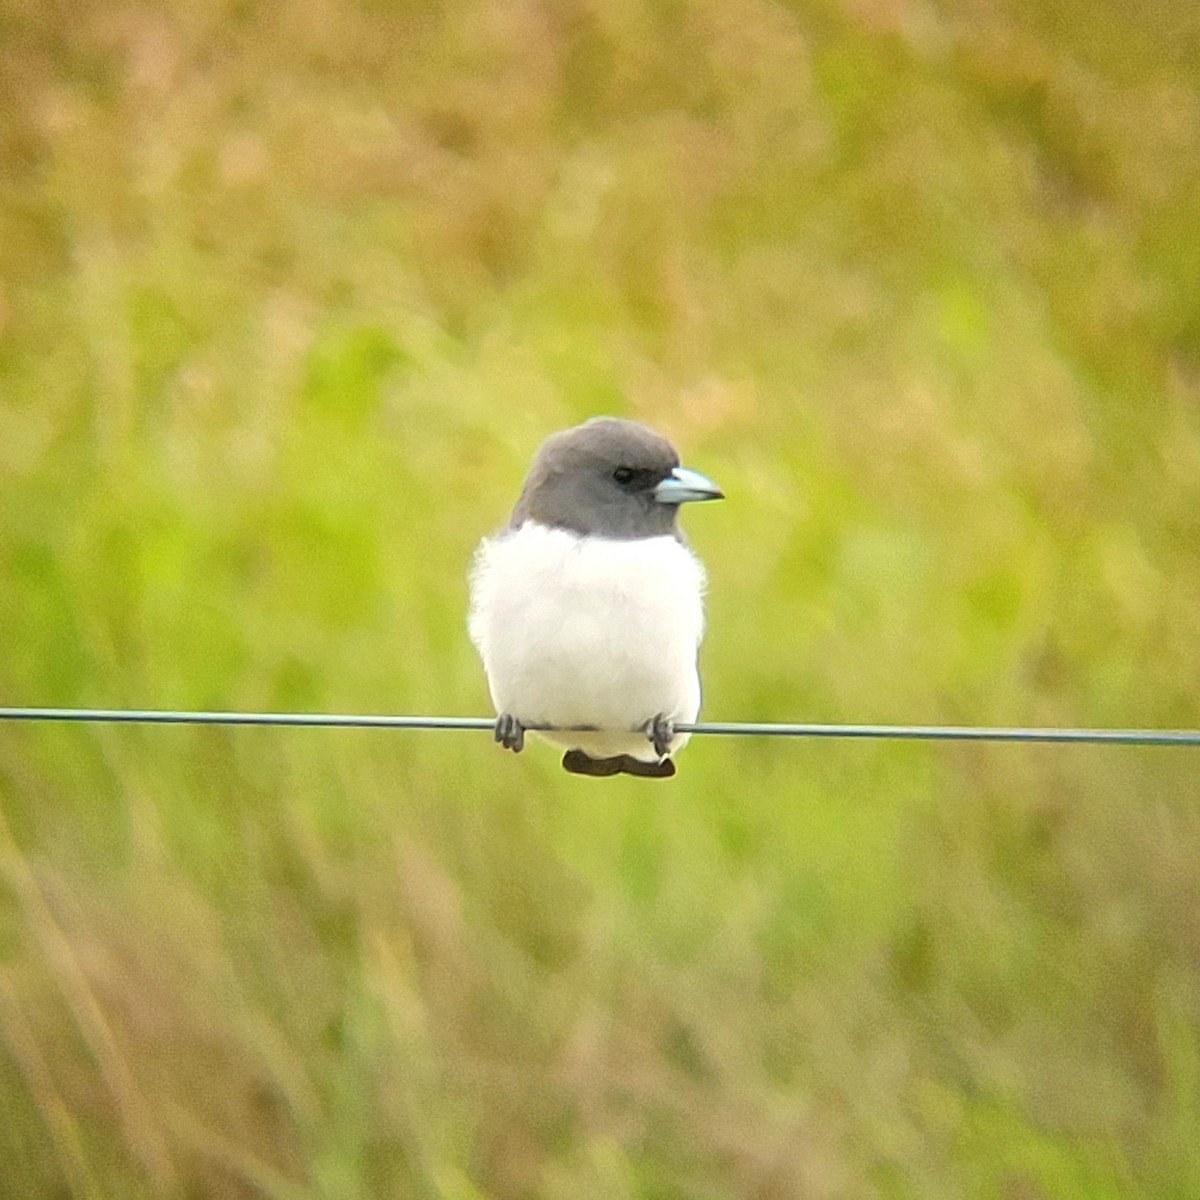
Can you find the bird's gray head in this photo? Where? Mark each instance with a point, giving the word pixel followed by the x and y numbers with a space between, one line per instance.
pixel 611 478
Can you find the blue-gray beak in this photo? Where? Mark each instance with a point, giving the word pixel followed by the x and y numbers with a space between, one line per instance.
pixel 683 485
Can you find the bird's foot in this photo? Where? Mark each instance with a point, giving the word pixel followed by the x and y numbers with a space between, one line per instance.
pixel 510 733
pixel 661 733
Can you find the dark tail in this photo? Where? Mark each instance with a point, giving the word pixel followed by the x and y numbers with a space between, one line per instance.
pixel 579 763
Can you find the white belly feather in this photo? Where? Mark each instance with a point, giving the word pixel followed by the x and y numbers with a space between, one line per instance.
pixel 589 631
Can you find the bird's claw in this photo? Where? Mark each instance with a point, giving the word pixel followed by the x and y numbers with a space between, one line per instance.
pixel 510 733
pixel 661 733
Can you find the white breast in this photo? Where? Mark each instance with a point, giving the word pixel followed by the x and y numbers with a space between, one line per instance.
pixel 589 631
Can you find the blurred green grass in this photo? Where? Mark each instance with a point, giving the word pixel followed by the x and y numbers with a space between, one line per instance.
pixel 289 295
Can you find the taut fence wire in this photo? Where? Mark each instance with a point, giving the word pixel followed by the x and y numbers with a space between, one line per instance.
pixel 797 729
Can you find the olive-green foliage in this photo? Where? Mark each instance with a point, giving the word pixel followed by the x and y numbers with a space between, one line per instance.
pixel 290 293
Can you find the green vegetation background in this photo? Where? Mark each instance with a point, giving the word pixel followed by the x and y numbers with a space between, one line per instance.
pixel 290 293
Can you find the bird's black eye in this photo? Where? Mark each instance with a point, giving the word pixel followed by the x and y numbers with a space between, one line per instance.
pixel 623 475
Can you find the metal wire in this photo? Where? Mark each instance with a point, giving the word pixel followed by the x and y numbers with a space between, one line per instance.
pixel 954 733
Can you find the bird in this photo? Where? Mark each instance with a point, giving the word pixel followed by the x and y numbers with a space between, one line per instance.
pixel 587 606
